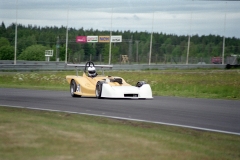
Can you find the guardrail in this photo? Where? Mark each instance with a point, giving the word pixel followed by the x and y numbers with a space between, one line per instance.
pixel 40 65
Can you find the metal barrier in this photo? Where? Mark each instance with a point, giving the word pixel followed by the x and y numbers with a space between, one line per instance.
pixel 42 65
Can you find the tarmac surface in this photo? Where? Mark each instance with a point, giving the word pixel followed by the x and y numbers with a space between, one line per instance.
pixel 203 114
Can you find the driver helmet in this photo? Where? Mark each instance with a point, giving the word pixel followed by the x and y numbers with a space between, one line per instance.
pixel 92 71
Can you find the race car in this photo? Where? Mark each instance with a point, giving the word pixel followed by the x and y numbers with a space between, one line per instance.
pixel 90 84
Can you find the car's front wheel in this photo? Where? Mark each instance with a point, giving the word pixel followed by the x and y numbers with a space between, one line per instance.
pixel 73 88
pixel 98 90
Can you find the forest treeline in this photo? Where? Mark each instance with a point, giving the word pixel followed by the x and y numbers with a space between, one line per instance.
pixel 32 41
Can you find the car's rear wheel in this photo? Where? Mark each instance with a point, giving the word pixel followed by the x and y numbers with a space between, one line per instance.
pixel 73 88
pixel 98 90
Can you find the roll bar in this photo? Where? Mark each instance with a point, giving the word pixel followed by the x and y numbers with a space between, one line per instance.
pixel 88 64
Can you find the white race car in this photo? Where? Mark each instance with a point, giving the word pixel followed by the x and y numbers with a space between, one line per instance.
pixel 93 85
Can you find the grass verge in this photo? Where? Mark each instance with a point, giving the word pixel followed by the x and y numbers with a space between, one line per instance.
pixel 31 134
pixel 220 84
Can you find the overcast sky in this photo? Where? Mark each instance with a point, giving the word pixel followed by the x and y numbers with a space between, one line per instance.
pixel 180 17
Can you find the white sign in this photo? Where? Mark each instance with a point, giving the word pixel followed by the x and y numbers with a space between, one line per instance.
pixel 48 53
pixel 92 39
pixel 116 39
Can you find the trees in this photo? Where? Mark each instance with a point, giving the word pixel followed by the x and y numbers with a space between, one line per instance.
pixel 163 45
pixel 25 42
pixel 4 42
pixel 2 29
pixel 177 51
pixel 6 53
pixel 34 53
pixel 115 54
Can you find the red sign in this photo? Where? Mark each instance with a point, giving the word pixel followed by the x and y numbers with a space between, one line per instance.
pixel 81 39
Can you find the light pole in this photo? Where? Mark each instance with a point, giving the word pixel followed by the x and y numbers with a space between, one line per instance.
pixel 137 42
pixel 150 50
pixel 189 37
pixel 66 37
pixel 223 50
pixel 15 46
pixel 110 39
pixel 188 48
pixel 223 43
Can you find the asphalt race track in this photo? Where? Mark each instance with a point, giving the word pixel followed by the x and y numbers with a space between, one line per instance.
pixel 206 114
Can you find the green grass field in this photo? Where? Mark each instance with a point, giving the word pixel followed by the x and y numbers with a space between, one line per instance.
pixel 220 84
pixel 40 135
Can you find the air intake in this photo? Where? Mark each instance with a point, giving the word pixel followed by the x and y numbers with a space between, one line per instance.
pixel 130 95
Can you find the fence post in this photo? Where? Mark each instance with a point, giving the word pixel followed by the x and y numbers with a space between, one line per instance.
pixel 100 58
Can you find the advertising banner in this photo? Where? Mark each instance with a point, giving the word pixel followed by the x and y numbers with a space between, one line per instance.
pixel 104 39
pixel 116 39
pixel 92 39
pixel 81 39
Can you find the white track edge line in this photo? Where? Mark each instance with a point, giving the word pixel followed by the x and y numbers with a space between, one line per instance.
pixel 130 119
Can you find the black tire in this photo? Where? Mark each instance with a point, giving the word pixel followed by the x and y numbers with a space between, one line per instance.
pixel 73 88
pixel 98 90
